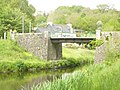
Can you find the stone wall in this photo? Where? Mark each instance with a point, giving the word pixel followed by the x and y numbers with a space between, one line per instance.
pixel 111 42
pixel 40 45
pixel 54 50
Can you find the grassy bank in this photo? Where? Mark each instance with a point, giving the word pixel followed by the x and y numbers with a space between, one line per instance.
pixel 104 76
pixel 13 58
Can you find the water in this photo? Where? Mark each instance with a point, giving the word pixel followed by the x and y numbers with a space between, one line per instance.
pixel 16 81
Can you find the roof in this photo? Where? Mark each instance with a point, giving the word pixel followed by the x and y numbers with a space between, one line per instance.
pixel 55 28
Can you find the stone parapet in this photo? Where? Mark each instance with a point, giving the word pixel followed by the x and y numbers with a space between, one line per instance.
pixel 111 42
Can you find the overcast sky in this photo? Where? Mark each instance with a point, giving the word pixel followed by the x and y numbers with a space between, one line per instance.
pixel 50 5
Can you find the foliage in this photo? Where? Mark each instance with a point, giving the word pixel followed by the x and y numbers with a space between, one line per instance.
pixel 94 77
pixel 95 43
pixel 40 19
pixel 86 18
pixel 103 7
pixel 99 25
pixel 11 12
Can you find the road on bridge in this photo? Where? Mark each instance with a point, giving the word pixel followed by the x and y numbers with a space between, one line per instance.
pixel 72 39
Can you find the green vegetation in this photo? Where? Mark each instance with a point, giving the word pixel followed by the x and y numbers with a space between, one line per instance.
pixel 104 76
pixel 95 43
pixel 11 13
pixel 16 81
pixel 40 19
pixel 85 18
pixel 78 54
pixel 13 58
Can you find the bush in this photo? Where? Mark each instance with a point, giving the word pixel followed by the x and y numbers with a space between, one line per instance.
pixel 95 43
pixel 20 66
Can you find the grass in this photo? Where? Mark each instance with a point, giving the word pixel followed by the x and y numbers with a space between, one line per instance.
pixel 11 51
pixel 13 58
pixel 103 76
pixel 78 53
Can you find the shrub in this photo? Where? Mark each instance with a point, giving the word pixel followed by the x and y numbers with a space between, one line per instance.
pixel 20 66
pixel 95 43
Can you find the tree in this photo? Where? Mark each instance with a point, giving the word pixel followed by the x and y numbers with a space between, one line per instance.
pixel 86 18
pixel 104 7
pixel 11 12
pixel 41 18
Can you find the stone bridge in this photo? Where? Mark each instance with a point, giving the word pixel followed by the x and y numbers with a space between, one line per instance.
pixel 46 47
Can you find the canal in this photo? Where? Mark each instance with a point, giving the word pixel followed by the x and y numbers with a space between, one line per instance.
pixel 23 81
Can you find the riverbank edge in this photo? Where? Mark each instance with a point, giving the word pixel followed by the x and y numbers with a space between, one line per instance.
pixel 23 66
pixel 15 58
pixel 103 75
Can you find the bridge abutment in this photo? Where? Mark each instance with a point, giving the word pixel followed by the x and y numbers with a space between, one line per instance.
pixel 40 45
pixel 54 51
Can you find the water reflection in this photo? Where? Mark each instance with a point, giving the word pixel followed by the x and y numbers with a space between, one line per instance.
pixel 40 79
pixel 16 81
